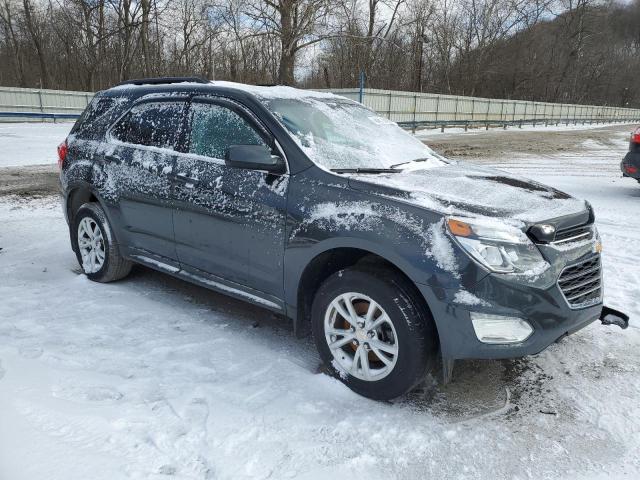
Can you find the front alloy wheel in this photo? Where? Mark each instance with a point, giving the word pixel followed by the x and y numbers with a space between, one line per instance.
pixel 373 331
pixel 361 336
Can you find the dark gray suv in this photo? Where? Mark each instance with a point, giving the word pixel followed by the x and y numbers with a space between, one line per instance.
pixel 312 206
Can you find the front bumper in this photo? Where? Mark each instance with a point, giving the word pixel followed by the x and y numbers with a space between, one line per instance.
pixel 544 308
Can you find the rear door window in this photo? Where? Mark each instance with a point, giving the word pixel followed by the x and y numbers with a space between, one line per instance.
pixel 155 124
pixel 214 128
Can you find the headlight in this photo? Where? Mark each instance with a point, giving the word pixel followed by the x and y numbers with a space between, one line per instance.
pixel 499 247
pixel 597 245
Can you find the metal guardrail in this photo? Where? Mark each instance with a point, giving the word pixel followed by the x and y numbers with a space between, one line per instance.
pixel 466 124
pixel 424 109
pixel 413 126
pixel 42 116
pixel 411 110
pixel 34 104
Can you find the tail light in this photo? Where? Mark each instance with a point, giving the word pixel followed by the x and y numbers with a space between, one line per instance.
pixel 635 136
pixel 63 148
pixel 630 169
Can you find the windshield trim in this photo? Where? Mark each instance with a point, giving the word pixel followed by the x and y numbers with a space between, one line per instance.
pixel 365 170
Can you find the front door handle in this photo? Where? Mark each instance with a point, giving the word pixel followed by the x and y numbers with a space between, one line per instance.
pixel 112 159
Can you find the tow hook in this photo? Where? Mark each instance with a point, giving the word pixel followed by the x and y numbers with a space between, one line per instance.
pixel 610 316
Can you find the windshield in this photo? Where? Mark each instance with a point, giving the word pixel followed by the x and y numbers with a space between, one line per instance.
pixel 341 134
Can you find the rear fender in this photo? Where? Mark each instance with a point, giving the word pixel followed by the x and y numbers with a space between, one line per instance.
pixel 80 185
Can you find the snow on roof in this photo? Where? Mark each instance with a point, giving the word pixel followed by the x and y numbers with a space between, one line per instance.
pixel 266 92
pixel 277 91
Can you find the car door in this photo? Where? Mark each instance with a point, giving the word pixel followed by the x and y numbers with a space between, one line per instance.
pixel 138 164
pixel 229 222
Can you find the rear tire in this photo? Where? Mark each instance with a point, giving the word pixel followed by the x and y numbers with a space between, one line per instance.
pixel 95 246
pixel 382 345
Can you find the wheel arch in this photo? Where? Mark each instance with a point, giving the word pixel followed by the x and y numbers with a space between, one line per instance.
pixel 333 257
pixel 78 194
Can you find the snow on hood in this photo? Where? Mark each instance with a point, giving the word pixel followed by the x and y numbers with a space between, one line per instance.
pixel 465 189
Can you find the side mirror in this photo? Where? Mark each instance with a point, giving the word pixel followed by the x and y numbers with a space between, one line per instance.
pixel 253 157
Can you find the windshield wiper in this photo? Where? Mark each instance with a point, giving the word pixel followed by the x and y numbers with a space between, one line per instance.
pixel 410 161
pixel 365 170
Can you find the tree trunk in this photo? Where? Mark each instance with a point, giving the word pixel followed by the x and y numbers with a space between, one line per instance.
pixel 287 43
pixel 144 35
pixel 35 37
pixel 285 72
pixel 126 25
pixel 327 79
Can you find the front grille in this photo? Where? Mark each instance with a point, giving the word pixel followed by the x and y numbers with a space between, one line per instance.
pixel 581 284
pixel 574 234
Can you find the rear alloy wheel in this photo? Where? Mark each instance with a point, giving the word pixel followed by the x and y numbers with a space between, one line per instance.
pixel 94 243
pixel 373 332
pixel 91 245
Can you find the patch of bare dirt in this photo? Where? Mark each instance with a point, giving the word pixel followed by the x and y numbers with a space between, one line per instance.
pixel 498 143
pixel 32 181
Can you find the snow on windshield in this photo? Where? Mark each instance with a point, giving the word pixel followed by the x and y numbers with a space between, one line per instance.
pixel 337 133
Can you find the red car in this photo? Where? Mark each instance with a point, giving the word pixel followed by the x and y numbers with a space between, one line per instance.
pixel 630 165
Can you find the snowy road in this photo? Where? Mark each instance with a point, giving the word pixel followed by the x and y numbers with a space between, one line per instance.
pixel 154 378
pixel 31 143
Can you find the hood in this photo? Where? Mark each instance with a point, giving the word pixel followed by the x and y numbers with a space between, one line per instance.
pixel 469 190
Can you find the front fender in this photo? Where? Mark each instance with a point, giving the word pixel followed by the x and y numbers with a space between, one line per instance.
pixel 299 257
pixel 416 244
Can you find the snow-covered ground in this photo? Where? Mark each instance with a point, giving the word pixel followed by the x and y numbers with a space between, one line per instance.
pixel 152 378
pixel 31 143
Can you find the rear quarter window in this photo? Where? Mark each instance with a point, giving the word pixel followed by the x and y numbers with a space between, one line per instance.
pixel 98 116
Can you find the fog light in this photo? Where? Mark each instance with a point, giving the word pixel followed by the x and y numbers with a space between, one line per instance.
pixel 498 329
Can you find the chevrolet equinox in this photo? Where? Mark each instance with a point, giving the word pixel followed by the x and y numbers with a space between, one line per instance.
pixel 311 205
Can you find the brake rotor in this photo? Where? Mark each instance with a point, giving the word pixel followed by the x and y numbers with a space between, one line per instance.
pixel 361 307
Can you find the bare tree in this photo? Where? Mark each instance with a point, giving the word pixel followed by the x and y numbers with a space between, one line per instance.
pixel 296 23
pixel 554 50
pixel 7 17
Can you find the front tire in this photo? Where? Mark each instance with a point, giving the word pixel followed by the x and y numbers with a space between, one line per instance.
pixel 94 243
pixel 373 332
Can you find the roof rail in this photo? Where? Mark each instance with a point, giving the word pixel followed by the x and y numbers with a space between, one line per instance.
pixel 163 81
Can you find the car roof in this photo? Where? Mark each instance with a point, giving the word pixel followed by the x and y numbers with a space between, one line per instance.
pixel 240 91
